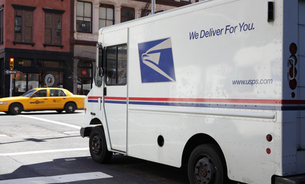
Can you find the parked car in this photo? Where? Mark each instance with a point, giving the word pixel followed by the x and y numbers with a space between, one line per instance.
pixel 58 99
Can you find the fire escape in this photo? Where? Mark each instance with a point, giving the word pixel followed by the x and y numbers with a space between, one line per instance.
pixel 145 10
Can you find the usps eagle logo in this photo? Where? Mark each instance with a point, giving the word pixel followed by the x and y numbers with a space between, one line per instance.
pixel 156 61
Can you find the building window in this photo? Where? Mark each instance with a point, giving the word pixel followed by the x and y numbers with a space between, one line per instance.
pixel 127 14
pixel 83 16
pixel 53 29
pixel 23 18
pixel 23 25
pixel 1 24
pixel 106 17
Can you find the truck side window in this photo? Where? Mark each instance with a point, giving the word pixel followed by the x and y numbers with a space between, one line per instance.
pixel 116 65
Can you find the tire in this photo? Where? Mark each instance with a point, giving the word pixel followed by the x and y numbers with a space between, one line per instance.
pixel 206 165
pixel 70 107
pixel 98 147
pixel 15 108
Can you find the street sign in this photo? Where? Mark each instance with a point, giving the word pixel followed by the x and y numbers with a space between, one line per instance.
pixel 7 72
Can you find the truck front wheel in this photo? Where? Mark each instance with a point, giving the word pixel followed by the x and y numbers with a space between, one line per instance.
pixel 205 165
pixel 98 146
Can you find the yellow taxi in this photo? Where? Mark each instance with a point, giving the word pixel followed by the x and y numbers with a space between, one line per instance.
pixel 58 99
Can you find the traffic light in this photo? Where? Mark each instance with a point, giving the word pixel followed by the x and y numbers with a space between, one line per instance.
pixel 292 70
pixel 11 63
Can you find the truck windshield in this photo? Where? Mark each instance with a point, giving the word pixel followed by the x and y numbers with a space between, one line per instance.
pixel 29 93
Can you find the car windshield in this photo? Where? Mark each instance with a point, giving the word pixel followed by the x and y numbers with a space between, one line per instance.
pixel 29 93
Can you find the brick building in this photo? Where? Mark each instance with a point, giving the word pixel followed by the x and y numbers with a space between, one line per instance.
pixel 36 33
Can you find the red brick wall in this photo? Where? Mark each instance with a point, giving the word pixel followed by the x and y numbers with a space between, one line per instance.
pixel 38 24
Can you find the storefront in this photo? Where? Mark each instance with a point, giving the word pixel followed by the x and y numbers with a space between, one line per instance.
pixel 37 69
pixel 46 73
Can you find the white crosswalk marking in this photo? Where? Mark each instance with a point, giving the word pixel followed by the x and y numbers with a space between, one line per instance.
pixel 58 179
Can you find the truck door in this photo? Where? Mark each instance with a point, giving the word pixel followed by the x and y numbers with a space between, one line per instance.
pixel 115 95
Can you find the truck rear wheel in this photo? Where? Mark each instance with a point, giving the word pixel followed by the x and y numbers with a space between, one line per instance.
pixel 98 146
pixel 205 165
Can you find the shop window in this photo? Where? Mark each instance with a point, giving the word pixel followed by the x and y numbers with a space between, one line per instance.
pixel 116 65
pixel 23 31
pixel 83 16
pixel 106 17
pixel 53 28
pixel 25 81
pixel 127 14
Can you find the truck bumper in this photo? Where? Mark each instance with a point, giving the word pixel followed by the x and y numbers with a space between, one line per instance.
pixel 85 131
pixel 297 179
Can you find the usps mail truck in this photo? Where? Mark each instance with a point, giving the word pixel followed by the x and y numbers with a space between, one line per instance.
pixel 217 86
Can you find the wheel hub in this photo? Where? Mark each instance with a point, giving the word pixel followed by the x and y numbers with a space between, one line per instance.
pixel 204 171
pixel 16 109
pixel 96 144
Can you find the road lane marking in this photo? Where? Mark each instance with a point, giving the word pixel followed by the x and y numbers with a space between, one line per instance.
pixel 43 151
pixel 51 121
pixel 59 178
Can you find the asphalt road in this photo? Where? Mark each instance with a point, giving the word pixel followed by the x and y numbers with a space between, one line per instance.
pixel 45 147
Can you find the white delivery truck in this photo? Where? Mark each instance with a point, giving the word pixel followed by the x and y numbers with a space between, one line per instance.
pixel 218 86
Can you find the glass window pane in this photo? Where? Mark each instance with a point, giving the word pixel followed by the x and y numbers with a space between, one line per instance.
pixel 122 65
pixel 102 23
pixel 109 23
pixel 17 29
pixel 18 12
pixel 48 35
pixel 87 10
pixel 57 21
pixel 111 65
pixel 48 20
pixel 102 13
pixel 57 37
pixel 17 37
pixel 33 81
pixel 41 93
pixel 28 18
pixel 28 34
pixel 20 82
pixel 79 9
pixel 18 20
pixel 109 13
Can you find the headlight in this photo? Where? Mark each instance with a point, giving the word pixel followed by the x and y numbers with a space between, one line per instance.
pixel 3 103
